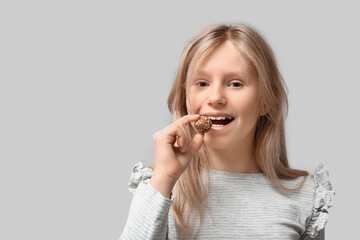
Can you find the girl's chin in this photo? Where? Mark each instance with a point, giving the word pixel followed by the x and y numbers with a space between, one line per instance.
pixel 216 143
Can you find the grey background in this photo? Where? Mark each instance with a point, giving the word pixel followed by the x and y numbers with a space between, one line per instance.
pixel 78 79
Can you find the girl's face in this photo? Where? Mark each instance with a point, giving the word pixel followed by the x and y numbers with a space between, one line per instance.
pixel 224 85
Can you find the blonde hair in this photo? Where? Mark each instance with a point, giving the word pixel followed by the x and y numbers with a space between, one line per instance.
pixel 270 148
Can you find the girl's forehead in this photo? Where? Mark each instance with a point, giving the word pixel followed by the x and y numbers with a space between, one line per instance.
pixel 201 58
pixel 197 65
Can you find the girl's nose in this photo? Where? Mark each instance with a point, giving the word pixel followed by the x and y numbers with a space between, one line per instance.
pixel 216 97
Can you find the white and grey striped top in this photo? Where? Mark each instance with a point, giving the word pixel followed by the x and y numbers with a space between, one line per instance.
pixel 242 206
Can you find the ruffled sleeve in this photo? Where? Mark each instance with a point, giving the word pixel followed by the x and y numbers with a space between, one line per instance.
pixel 322 201
pixel 149 210
pixel 141 172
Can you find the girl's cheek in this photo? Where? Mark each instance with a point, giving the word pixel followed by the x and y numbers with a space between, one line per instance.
pixel 192 104
pixel 189 106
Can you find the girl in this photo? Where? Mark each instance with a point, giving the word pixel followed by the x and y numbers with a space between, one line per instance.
pixel 233 182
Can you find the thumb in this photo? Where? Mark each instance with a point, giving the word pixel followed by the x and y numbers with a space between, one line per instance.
pixel 196 143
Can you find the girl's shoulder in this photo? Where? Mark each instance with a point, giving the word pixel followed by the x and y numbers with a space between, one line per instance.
pixel 322 199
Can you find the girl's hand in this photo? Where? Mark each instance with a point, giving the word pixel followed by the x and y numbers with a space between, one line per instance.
pixel 170 160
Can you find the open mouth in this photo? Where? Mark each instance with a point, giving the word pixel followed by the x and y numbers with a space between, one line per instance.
pixel 220 121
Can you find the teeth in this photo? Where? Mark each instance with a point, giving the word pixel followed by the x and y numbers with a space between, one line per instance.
pixel 219 118
pixel 217 125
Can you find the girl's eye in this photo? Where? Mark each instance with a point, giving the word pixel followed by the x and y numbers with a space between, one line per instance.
pixel 202 84
pixel 236 84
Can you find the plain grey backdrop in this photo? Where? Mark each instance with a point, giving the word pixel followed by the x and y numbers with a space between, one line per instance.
pixel 84 86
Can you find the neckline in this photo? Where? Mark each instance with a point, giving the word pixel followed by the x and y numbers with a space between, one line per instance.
pixel 235 174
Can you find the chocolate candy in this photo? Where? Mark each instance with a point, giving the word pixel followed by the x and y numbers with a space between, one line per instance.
pixel 203 124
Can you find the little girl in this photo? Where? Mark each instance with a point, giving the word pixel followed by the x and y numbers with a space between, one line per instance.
pixel 233 182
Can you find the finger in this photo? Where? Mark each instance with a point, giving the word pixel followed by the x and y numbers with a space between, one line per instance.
pixel 185 120
pixel 178 130
pixel 181 144
pixel 185 135
pixel 196 143
pixel 181 136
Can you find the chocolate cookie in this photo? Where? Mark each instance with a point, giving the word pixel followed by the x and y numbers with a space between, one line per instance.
pixel 203 124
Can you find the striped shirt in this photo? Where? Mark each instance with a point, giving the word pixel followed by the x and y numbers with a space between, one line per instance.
pixel 241 206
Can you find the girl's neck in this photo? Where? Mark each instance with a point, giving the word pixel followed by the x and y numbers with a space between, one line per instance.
pixel 237 158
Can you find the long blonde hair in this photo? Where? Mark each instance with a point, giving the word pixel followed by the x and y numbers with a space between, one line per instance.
pixel 270 148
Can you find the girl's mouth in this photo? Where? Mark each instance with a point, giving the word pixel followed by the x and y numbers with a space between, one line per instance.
pixel 220 122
